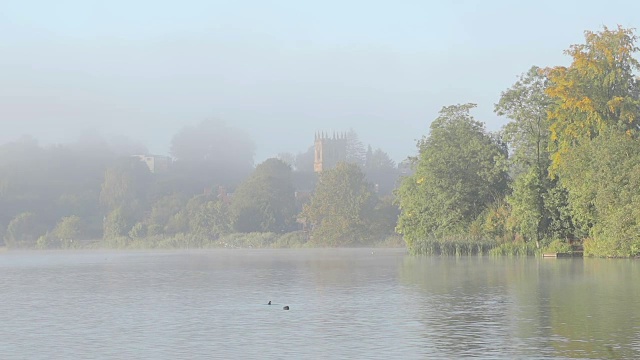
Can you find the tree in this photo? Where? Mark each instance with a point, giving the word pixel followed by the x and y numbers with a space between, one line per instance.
pixel 204 216
pixel 527 134
pixel 459 172
pixel 266 200
pixel 356 152
pixel 526 104
pixel 381 170
pixel 288 158
pixel 68 230
pixel 163 213
pixel 603 182
pixel 125 185
pixel 210 154
pixel 340 210
pixel 116 224
pixel 597 91
pixel 304 161
pixel 23 231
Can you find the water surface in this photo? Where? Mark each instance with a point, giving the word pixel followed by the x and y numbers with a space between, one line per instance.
pixel 345 303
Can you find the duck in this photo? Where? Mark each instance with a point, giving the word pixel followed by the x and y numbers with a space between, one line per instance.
pixel 286 307
pixel 269 303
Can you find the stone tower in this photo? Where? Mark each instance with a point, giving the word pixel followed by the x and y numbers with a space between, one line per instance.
pixel 329 150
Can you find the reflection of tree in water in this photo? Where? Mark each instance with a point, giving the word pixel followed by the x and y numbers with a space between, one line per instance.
pixel 526 307
pixel 464 304
pixel 593 308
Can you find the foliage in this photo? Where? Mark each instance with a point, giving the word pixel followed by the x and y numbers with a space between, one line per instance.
pixel 266 200
pixel 380 170
pixel 526 104
pixel 22 231
pixel 341 207
pixel 208 218
pixel 603 182
pixel 356 153
pixel 124 185
pixel 598 91
pixel 116 224
pixel 68 231
pixel 558 246
pixel 459 173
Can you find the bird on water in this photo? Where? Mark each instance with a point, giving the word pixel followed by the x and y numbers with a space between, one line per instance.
pixel 269 302
pixel 286 307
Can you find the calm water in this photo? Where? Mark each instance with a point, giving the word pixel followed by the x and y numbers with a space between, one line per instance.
pixel 344 304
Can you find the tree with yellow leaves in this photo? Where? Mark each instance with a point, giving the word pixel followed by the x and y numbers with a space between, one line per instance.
pixel 598 91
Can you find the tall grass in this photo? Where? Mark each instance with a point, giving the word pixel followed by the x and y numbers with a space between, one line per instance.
pixel 475 247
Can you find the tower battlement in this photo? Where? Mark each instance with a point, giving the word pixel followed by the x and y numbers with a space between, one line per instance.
pixel 329 150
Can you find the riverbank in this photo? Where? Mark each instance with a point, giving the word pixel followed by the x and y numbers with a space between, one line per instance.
pixel 255 240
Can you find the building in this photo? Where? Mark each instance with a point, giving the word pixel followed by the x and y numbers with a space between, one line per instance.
pixel 329 150
pixel 155 163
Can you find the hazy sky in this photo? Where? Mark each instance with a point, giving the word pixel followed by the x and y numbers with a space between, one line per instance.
pixel 279 69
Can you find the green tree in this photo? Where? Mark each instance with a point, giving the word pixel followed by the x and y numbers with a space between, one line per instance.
pixel 125 185
pixel 603 183
pixel 208 218
pixel 381 170
pixel 163 214
pixel 116 224
pixel 459 172
pixel 265 202
pixel 23 231
pixel 341 208
pixel 527 134
pixel 68 231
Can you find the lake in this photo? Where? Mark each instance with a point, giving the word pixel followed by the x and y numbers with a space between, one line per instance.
pixel 344 303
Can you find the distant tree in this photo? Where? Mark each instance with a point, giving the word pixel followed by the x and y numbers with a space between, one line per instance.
pixel 381 170
pixel 304 161
pixel 23 231
pixel 125 185
pixel 209 154
pixel 341 208
pixel 288 158
pixel 117 224
pixel 124 196
pixel 356 152
pixel 208 217
pixel 68 229
pixel 213 141
pixel 266 200
pixel 64 235
pixel 163 212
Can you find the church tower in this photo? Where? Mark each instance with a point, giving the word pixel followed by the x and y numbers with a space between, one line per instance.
pixel 329 151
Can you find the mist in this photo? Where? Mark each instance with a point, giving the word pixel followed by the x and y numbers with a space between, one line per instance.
pixel 279 71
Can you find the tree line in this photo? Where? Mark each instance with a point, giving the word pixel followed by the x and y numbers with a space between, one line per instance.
pixel 93 193
pixel 564 169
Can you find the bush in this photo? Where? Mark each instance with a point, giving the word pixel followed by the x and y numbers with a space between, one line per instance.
pixel 294 239
pixel 558 246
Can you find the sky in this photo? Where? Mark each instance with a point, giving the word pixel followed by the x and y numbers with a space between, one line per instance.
pixel 280 70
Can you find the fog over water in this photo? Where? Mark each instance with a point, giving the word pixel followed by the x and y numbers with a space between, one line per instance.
pixel 279 70
pixel 344 303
